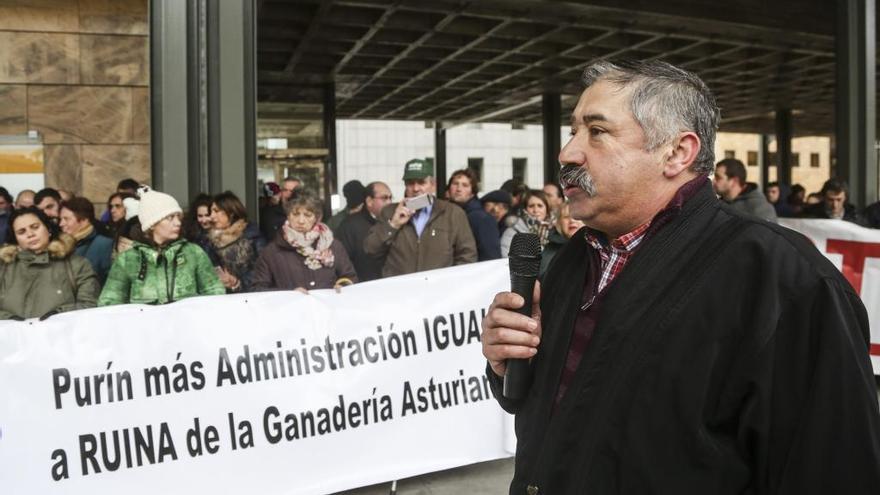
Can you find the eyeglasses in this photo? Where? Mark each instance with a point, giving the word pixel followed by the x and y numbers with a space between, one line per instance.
pixel 114 206
pixel 385 197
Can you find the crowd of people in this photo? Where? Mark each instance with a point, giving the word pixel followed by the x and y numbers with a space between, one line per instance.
pixel 779 201
pixel 146 249
pixel 59 256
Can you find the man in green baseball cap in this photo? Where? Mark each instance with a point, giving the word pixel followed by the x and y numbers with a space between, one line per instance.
pixel 418 168
pixel 421 232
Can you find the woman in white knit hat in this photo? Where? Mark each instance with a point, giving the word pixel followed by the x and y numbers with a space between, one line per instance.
pixel 161 266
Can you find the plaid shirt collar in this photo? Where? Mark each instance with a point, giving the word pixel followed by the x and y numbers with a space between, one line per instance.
pixel 626 243
pixel 614 254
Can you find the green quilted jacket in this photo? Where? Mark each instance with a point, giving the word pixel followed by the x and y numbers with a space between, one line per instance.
pixel 145 274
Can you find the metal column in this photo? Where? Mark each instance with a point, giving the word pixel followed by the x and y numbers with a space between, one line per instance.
pixel 440 158
pixel 856 104
pixel 168 98
pixel 329 130
pixel 551 113
pixel 783 146
pixel 197 156
pixel 764 159
pixel 203 91
pixel 249 110
pixel 237 169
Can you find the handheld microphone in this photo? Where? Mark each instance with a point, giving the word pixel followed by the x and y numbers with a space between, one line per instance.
pixel 524 261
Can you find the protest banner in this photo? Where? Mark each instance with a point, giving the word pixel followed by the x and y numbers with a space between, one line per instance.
pixel 855 251
pixel 255 393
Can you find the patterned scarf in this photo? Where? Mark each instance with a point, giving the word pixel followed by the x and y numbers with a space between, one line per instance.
pixel 314 245
pixel 535 226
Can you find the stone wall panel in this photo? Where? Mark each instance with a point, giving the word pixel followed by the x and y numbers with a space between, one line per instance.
pixel 77 72
pixel 47 58
pixel 116 60
pixel 114 16
pixel 81 114
pixel 140 115
pixel 103 166
pixel 63 167
pixel 13 110
pixel 39 15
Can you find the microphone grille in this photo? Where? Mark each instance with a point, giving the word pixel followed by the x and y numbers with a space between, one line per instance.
pixel 525 254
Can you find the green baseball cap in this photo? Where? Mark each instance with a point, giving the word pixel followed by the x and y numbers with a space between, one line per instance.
pixel 418 168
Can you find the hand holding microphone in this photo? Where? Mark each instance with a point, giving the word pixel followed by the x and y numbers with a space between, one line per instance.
pixel 512 326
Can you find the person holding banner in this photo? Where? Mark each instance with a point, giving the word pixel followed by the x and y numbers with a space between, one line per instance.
pixel 160 267
pixel 678 345
pixel 304 254
pixel 234 242
pixel 39 273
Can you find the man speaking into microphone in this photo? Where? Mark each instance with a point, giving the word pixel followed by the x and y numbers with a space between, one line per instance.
pixel 677 346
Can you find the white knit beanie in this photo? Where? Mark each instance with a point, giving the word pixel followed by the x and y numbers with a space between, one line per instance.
pixel 155 206
pixel 132 207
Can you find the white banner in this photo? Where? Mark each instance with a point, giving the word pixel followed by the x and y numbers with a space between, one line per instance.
pixel 274 393
pixel 281 393
pixel 855 251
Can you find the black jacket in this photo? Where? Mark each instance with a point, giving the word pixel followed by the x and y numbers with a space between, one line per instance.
pixel 729 357
pixel 272 217
pixel 555 242
pixel 485 230
pixel 352 232
pixel 818 210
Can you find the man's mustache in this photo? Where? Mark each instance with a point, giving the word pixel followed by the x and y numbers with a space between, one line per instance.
pixel 577 176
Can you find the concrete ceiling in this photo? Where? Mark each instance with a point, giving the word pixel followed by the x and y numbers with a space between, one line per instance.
pixel 490 60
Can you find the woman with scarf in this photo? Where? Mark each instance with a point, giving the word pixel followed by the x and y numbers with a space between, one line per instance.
pixel 77 218
pixel 160 267
pixel 564 228
pixel 234 243
pixel 533 218
pixel 304 255
pixel 39 273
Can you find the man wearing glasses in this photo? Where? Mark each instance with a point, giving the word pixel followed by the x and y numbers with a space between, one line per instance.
pixel 356 226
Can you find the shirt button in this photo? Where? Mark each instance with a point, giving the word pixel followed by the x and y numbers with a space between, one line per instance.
pixel 532 490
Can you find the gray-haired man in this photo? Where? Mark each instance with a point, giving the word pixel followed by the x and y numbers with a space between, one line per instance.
pixel 680 346
pixel 410 238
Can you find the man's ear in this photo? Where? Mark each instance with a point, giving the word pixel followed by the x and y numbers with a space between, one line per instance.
pixel 685 149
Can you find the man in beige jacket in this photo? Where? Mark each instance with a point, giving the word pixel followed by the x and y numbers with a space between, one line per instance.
pixel 413 238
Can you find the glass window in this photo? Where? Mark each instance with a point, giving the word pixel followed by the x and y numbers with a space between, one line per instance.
pixel 752 158
pixel 519 169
